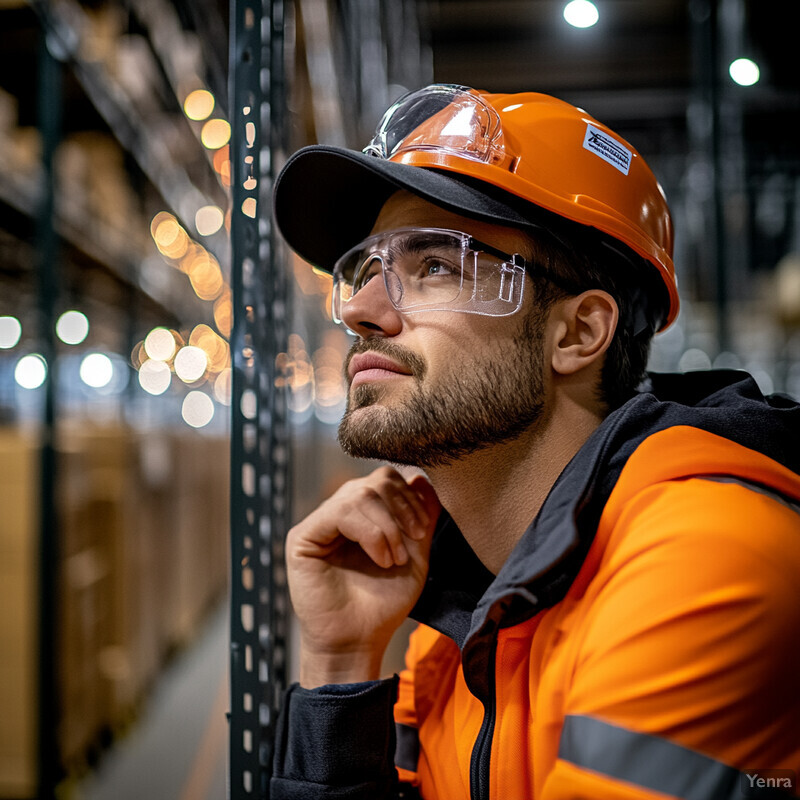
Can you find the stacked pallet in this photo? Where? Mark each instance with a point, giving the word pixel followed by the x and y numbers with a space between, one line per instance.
pixel 18 594
pixel 143 524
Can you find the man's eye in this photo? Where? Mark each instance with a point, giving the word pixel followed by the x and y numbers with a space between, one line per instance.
pixel 437 267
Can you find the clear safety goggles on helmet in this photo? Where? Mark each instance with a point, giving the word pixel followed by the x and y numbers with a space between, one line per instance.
pixel 432 269
pixel 444 118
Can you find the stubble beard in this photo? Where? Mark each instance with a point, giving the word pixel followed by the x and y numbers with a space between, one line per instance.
pixel 481 402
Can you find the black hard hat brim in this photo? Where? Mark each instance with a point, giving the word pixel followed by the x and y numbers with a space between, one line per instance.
pixel 326 199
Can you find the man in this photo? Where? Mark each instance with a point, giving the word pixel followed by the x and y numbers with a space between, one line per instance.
pixel 606 579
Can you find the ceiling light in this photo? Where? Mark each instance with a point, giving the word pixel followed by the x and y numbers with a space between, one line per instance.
pixel 190 363
pixel 31 371
pixel 159 344
pixel 581 13
pixel 155 376
pixel 198 104
pixel 216 133
pixel 10 332
pixel 744 71
pixel 96 370
pixel 208 220
pixel 72 327
pixel 197 409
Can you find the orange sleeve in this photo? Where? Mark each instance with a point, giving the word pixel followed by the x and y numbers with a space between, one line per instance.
pixel 688 658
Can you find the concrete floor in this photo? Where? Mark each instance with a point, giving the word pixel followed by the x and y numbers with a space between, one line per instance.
pixel 178 750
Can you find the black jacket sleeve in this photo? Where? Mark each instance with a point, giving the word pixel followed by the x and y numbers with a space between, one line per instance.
pixel 336 742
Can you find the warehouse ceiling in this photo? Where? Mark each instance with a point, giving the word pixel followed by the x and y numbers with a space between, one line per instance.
pixel 642 68
pixel 526 44
pixel 639 68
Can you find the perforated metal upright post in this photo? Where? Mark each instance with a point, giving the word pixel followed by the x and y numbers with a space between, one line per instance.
pixel 260 437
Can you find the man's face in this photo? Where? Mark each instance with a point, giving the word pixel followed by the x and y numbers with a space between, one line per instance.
pixel 427 388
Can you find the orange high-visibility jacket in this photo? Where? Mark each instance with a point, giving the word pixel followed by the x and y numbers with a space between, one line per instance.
pixel 656 656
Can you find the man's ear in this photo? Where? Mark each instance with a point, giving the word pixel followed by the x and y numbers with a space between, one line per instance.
pixel 584 327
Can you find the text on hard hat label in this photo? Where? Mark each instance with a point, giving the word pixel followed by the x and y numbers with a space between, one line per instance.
pixel 609 149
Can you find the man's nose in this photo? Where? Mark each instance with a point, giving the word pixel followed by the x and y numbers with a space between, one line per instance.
pixel 370 311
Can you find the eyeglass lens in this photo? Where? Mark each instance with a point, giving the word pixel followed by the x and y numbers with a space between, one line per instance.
pixel 419 268
pixel 431 269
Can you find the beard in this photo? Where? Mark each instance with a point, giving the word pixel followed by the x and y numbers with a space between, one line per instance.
pixel 480 402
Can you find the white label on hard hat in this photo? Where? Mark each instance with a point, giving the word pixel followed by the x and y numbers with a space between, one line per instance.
pixel 609 149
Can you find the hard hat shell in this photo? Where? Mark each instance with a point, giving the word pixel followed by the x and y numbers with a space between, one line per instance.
pixel 550 155
pixel 564 160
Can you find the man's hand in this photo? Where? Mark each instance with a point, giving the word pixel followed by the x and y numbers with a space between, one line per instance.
pixel 356 567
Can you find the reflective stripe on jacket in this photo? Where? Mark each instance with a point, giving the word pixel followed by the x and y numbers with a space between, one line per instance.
pixel 668 669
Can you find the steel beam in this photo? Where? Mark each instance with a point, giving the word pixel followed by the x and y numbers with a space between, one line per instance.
pixel 260 448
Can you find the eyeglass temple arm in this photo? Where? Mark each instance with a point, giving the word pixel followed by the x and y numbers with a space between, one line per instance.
pixel 531 267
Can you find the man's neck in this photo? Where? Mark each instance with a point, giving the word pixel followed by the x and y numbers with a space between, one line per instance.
pixel 494 494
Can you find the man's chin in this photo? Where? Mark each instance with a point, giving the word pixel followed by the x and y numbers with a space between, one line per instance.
pixel 360 430
pixel 363 406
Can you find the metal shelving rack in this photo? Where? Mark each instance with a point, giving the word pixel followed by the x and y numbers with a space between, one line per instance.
pixel 37 209
pixel 260 429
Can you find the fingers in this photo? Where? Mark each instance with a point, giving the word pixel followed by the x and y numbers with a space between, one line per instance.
pixel 391 510
pixel 381 512
pixel 370 523
pixel 405 504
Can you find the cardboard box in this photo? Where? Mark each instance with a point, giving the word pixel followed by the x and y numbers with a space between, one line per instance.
pixel 18 595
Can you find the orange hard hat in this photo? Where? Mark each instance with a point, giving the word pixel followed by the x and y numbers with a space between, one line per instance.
pixel 532 146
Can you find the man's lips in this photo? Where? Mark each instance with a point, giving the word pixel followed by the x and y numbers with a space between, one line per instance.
pixel 372 366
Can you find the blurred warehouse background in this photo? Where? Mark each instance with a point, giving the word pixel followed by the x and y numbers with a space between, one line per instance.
pixel 122 454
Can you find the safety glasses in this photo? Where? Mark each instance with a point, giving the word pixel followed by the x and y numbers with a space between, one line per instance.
pixel 444 118
pixel 432 269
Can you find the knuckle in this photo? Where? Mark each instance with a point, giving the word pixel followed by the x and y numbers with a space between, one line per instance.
pixel 294 534
pixel 403 501
pixel 293 544
pixel 372 533
pixel 370 493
